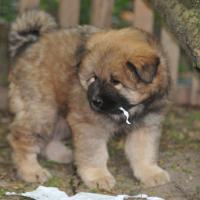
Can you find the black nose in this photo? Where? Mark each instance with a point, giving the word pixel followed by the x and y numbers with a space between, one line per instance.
pixel 97 102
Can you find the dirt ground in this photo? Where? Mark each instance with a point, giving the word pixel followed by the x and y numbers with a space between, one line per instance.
pixel 180 155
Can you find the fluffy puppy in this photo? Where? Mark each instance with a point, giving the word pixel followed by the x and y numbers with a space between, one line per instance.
pixel 88 77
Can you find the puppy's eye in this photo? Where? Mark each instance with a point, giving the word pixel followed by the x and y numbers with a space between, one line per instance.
pixel 114 81
pixel 92 79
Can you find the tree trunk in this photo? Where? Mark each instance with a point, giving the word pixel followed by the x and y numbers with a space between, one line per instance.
pixel 28 4
pixel 3 65
pixel 102 13
pixel 183 18
pixel 3 53
pixel 69 13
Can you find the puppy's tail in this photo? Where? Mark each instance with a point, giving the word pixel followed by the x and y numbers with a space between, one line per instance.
pixel 28 28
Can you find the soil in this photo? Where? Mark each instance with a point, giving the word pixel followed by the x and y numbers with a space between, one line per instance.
pixel 179 155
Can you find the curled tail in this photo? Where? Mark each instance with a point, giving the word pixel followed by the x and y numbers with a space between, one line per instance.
pixel 27 28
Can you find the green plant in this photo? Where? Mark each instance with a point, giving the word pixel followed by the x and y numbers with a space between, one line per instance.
pixel 85 11
pixel 8 9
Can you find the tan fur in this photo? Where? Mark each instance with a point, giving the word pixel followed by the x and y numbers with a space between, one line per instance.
pixel 141 149
pixel 45 83
pixel 58 152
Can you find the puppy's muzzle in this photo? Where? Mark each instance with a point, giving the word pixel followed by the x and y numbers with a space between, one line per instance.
pixel 104 98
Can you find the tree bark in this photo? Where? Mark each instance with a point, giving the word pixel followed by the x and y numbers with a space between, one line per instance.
pixel 28 4
pixel 3 53
pixel 101 15
pixel 69 13
pixel 183 18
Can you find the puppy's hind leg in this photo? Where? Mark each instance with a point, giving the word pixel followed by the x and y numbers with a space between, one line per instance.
pixel 32 125
pixel 56 150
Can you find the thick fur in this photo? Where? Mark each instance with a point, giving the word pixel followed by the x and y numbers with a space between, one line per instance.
pixel 28 28
pixel 85 75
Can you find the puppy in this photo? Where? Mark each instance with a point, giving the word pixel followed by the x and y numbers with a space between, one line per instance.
pixel 91 78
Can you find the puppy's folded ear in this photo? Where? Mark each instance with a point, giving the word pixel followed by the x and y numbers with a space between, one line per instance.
pixel 145 72
pixel 80 52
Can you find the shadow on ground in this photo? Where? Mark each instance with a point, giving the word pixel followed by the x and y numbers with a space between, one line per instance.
pixel 180 155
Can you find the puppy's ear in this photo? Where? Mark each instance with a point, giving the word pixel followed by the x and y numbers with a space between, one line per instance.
pixel 80 53
pixel 146 72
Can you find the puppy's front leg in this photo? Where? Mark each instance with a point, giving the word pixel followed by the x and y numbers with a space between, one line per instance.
pixel 141 149
pixel 25 150
pixel 91 156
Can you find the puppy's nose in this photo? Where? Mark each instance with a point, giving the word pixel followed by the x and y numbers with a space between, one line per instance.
pixel 97 102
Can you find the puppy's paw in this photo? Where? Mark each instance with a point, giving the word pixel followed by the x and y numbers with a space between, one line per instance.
pixel 97 178
pixel 58 152
pixel 34 175
pixel 154 176
pixel 104 183
pixel 158 178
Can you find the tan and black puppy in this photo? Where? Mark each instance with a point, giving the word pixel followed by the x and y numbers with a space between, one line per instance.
pixel 118 70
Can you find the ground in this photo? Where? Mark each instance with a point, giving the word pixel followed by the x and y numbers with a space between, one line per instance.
pixel 179 155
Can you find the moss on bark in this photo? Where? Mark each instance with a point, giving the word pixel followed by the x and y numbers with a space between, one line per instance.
pixel 183 18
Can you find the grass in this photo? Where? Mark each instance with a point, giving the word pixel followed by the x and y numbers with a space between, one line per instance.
pixel 2 193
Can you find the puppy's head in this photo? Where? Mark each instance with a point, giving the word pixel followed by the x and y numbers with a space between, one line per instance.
pixel 122 68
